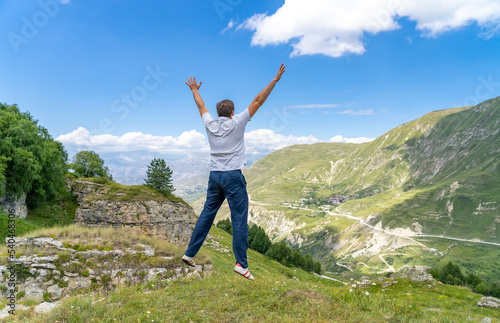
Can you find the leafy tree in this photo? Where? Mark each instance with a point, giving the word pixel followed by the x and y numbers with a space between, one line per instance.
pixel 89 164
pixel 31 161
pixel 473 280
pixel 451 274
pixel 482 288
pixel 308 263
pixel 317 267
pixel 159 176
pixel 225 225
pixel 258 239
pixel 279 252
pixel 297 259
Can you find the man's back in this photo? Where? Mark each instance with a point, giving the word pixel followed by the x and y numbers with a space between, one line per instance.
pixel 226 137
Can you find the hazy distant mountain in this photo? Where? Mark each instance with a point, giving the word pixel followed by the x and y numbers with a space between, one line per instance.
pixel 190 172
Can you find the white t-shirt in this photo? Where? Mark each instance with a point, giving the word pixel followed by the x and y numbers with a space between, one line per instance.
pixel 226 137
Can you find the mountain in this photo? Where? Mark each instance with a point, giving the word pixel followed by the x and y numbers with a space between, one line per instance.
pixel 423 193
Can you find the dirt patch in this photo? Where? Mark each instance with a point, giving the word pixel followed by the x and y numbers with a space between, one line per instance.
pixel 304 295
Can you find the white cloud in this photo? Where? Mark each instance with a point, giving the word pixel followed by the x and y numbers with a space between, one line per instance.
pixel 358 140
pixel 268 139
pixel 256 141
pixel 357 113
pixel 81 139
pixel 64 1
pixel 336 27
pixel 230 25
pixel 314 106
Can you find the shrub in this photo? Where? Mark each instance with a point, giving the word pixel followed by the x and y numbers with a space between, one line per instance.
pixel 225 225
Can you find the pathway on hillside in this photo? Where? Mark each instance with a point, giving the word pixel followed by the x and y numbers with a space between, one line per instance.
pixel 457 239
pixel 409 236
pixel 326 277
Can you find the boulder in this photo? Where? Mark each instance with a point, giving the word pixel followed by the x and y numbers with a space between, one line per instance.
pixel 418 273
pixel 46 307
pixel 489 302
pixel 14 206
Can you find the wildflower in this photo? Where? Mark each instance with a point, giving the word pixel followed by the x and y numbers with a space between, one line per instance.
pixel 148 312
pixel 369 294
pixel 374 284
pixel 351 279
pixel 353 285
pixel 350 290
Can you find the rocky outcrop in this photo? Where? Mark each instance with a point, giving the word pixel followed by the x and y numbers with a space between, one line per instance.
pixel 101 205
pixel 63 271
pixel 489 302
pixel 418 273
pixel 14 206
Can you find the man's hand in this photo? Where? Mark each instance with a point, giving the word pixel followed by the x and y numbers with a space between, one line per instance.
pixel 278 75
pixel 262 96
pixel 191 82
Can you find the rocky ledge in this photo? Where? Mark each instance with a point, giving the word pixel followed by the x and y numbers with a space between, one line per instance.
pixel 136 208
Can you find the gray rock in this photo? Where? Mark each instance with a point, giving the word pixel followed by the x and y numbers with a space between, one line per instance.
pixel 489 302
pixel 33 291
pixel 55 291
pixel 46 307
pixel 44 266
pixel 148 250
pixel 14 206
pixel 78 282
pixel 419 273
pixel 170 220
pixel 5 311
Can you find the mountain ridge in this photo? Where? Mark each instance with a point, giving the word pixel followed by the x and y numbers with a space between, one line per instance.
pixel 431 177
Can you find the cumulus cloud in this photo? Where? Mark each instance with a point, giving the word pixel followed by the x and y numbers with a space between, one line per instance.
pixel 358 140
pixel 256 141
pixel 81 139
pixel 269 140
pixel 336 27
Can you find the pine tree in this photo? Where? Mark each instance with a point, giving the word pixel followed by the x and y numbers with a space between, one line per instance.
pixel 159 176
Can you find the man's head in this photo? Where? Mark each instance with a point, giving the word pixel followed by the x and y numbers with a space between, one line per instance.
pixel 225 108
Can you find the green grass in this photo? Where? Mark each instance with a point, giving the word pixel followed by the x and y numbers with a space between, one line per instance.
pixel 275 295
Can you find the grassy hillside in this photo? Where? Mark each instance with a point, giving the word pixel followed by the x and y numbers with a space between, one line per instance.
pixel 437 176
pixel 278 294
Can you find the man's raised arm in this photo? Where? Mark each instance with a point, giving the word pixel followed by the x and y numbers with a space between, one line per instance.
pixel 191 82
pixel 262 96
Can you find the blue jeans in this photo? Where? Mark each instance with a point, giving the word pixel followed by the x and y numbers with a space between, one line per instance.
pixel 230 185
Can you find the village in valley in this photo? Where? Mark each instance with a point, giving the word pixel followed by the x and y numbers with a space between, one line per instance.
pixel 318 207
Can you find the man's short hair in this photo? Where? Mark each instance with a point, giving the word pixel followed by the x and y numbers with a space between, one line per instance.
pixel 225 108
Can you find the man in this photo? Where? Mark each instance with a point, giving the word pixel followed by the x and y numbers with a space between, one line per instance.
pixel 226 181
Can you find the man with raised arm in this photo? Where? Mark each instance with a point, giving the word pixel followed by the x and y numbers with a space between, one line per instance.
pixel 226 181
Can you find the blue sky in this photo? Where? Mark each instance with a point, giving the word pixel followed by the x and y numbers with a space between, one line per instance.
pixel 109 75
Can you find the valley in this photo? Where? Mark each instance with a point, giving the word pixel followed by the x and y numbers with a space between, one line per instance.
pixel 421 191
